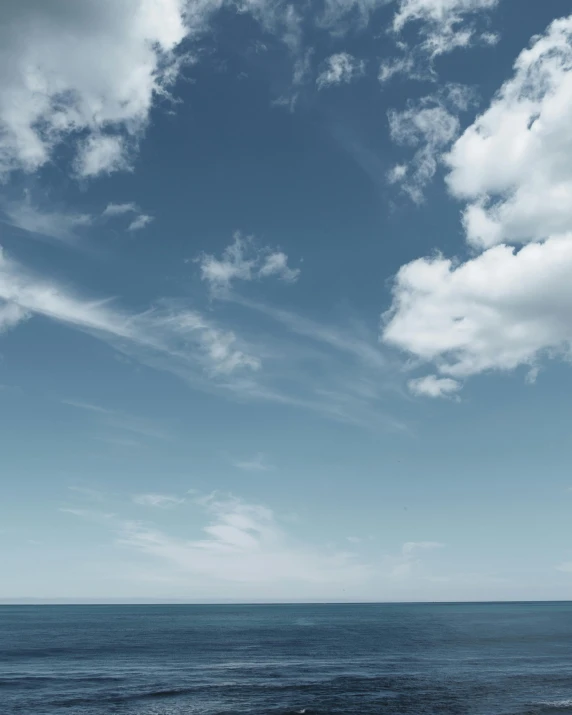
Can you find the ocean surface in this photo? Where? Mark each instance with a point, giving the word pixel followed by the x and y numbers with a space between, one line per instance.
pixel 486 659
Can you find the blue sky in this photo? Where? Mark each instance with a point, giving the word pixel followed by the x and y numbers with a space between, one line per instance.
pixel 285 300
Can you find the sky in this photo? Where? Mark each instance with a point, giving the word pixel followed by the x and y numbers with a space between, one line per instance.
pixel 285 300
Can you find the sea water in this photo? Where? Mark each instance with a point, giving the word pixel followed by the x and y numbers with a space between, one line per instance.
pixel 447 659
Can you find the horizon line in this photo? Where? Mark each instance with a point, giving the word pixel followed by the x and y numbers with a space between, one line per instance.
pixel 179 602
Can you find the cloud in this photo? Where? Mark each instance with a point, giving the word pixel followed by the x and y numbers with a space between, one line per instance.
pixel 442 23
pixel 338 372
pixel 258 463
pixel 101 154
pixel 11 315
pixel 140 222
pixel 243 260
pixel 337 12
pixel 87 406
pixel 565 567
pixel 92 68
pixel 119 209
pixel 412 547
pixel 341 68
pixel 507 306
pixel 429 125
pixel 499 310
pixel 243 543
pixel 408 561
pixel 136 224
pixel 164 332
pixel 121 421
pixel 433 386
pixel 161 501
pixel 61 226
pixel 514 163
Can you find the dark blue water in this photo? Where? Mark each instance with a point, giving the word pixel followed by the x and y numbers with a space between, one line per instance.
pixel 393 659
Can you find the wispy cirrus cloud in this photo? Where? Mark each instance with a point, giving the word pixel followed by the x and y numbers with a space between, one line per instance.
pixel 240 543
pixel 189 339
pixel 408 561
pixel 159 501
pixel 338 373
pixel 120 422
pixel 27 216
pixel 257 463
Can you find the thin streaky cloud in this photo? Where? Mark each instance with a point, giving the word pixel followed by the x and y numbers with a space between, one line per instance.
pixel 257 463
pixel 160 501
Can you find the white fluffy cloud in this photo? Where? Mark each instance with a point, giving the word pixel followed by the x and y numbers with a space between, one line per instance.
pixel 507 306
pixel 514 163
pixel 244 260
pixel 90 68
pixel 340 68
pixel 499 310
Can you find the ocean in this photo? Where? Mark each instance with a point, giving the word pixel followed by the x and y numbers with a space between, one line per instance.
pixel 426 659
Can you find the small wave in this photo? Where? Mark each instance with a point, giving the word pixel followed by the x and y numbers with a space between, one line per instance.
pixel 557 704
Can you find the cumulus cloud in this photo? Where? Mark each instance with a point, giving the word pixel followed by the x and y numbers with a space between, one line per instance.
pixel 499 310
pixel 429 125
pixel 433 386
pixel 507 306
pixel 244 260
pixel 340 68
pixel 91 68
pixel 514 163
